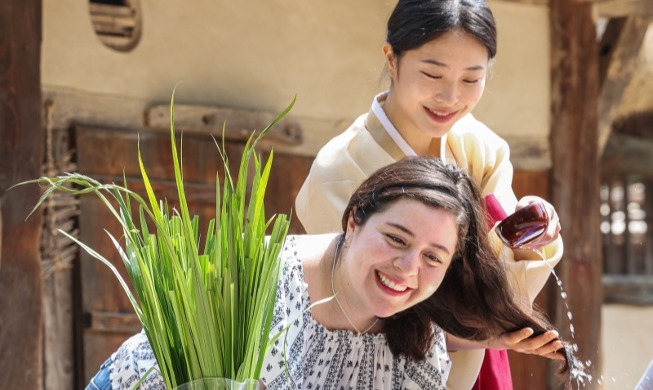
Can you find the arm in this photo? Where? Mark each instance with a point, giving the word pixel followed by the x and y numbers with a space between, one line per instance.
pixel 546 344
pixel 488 158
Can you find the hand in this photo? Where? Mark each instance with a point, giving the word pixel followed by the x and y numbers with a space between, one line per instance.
pixel 553 228
pixel 547 344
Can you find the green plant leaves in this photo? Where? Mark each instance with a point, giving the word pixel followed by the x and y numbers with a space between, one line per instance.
pixel 206 312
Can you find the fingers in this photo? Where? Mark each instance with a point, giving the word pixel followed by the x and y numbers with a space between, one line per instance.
pixel 513 339
pixel 553 228
pixel 546 344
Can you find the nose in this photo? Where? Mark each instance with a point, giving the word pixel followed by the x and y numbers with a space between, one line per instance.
pixel 408 263
pixel 447 93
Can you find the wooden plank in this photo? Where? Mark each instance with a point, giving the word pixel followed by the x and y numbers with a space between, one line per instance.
pixel 620 48
pixel 239 123
pixel 575 176
pixel 631 289
pixel 98 321
pixel 108 9
pixel 58 255
pixel 21 148
pixel 628 154
pixel 127 21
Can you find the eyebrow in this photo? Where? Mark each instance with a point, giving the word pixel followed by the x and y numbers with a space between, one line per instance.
pixel 410 233
pixel 443 65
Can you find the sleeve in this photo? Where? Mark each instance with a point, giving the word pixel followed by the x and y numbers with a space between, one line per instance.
pixel 100 380
pixel 320 203
pixel 132 361
pixel 336 172
pixel 487 157
pixel 527 277
pixel 286 335
pixel 432 372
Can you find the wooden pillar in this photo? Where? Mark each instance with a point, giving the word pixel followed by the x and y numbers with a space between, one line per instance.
pixel 21 151
pixel 576 176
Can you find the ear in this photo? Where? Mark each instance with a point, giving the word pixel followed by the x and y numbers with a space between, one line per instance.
pixel 390 60
pixel 351 225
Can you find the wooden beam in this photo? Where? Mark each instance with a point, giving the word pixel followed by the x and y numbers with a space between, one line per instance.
pixel 531 2
pixel 620 46
pixel 623 8
pixel 575 177
pixel 625 154
pixel 21 148
pixel 239 123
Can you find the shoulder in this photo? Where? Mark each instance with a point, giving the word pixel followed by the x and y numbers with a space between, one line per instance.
pixel 133 360
pixel 470 129
pixel 433 371
pixel 338 156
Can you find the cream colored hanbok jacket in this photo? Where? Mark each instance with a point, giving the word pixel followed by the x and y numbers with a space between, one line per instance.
pixel 349 158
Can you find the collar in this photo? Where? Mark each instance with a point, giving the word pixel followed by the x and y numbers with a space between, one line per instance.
pixel 385 133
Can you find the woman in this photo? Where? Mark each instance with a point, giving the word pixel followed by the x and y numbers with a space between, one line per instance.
pixel 413 262
pixel 438 54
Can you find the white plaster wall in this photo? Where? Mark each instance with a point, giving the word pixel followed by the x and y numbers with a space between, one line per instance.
pixel 627 344
pixel 260 53
pixel 517 99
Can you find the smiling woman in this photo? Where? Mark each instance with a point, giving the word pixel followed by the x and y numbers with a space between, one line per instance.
pixel 412 263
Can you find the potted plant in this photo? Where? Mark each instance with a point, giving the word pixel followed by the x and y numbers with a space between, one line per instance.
pixel 206 309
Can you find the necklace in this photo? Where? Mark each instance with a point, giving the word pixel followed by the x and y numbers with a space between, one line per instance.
pixel 333 269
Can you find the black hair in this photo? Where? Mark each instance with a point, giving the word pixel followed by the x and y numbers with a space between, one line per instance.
pixel 416 22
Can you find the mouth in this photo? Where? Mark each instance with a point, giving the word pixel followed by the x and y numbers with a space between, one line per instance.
pixel 440 116
pixel 391 286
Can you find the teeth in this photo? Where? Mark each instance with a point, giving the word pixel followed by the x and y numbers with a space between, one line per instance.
pixel 389 283
pixel 439 113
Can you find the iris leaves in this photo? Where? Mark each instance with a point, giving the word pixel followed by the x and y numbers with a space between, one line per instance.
pixel 207 311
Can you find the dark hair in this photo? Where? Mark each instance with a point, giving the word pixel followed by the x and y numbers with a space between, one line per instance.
pixel 475 300
pixel 416 22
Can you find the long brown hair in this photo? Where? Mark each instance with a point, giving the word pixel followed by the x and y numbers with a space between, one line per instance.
pixel 475 300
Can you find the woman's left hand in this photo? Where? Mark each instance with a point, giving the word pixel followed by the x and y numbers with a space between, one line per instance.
pixel 546 344
pixel 553 228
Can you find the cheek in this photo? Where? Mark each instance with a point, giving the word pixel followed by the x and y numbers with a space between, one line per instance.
pixel 432 281
pixel 474 94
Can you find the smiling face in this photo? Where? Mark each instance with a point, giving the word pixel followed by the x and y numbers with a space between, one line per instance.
pixel 398 257
pixel 435 85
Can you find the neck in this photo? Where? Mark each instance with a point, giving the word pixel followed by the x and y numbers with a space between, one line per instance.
pixel 422 144
pixel 351 319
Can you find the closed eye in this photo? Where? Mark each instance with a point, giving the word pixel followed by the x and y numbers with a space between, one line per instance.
pixel 472 81
pixel 431 76
pixel 396 240
pixel 433 259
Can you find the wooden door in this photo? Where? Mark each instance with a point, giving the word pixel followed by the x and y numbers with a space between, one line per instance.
pixel 106 316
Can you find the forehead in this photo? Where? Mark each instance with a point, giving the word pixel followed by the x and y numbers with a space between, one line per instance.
pixel 423 221
pixel 453 47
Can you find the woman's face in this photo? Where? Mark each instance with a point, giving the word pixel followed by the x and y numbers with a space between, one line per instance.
pixel 398 257
pixel 435 85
